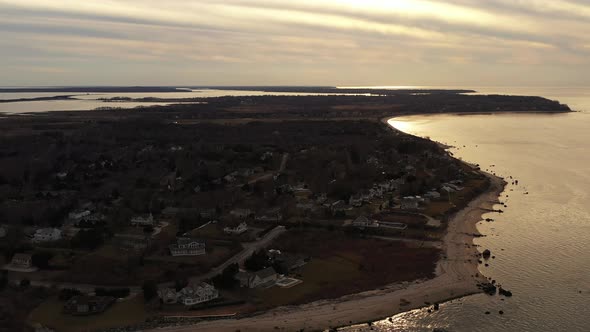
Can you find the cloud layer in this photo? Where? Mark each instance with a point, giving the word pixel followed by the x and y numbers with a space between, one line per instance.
pixel 332 42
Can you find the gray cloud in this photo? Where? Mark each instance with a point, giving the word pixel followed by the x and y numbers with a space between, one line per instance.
pixel 304 42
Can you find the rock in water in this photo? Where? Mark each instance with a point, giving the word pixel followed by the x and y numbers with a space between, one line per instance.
pixel 486 254
pixel 504 292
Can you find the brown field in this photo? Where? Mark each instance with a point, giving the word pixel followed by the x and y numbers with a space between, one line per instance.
pixel 342 265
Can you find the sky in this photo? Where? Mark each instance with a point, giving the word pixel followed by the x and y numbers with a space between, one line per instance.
pixel 289 42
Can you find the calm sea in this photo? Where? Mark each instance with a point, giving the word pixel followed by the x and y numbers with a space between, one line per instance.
pixel 542 242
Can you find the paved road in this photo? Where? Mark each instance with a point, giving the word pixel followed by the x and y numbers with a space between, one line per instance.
pixel 240 257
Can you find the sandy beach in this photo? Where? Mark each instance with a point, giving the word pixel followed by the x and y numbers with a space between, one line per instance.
pixel 457 275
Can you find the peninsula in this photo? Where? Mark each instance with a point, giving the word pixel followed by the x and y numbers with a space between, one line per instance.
pixel 239 213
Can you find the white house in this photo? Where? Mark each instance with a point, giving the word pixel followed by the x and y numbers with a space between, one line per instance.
pixel 143 220
pixel 190 295
pixel 201 293
pixel 46 235
pixel 240 229
pixel 186 246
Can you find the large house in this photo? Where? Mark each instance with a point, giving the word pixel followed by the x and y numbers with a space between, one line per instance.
pixel 186 246
pixel 240 229
pixel 189 295
pixel 88 305
pixel 265 277
pixel 143 220
pixel 22 261
pixel 46 235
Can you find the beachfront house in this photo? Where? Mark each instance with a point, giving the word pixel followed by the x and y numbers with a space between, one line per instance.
pixel 189 295
pixel 46 235
pixel 263 278
pixel 186 246
pixel 196 294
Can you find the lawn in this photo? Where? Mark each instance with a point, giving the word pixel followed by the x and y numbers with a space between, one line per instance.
pixel 129 312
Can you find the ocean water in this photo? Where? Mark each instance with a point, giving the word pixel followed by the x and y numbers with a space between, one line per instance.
pixel 542 241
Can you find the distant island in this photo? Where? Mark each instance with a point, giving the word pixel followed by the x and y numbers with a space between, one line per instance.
pixel 239 213
pixel 335 90
pixel 96 89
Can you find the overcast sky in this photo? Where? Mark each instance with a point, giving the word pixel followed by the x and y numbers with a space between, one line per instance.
pixel 290 42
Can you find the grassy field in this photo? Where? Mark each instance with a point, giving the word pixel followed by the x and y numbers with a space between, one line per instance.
pixel 342 265
pixel 318 275
pixel 125 313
